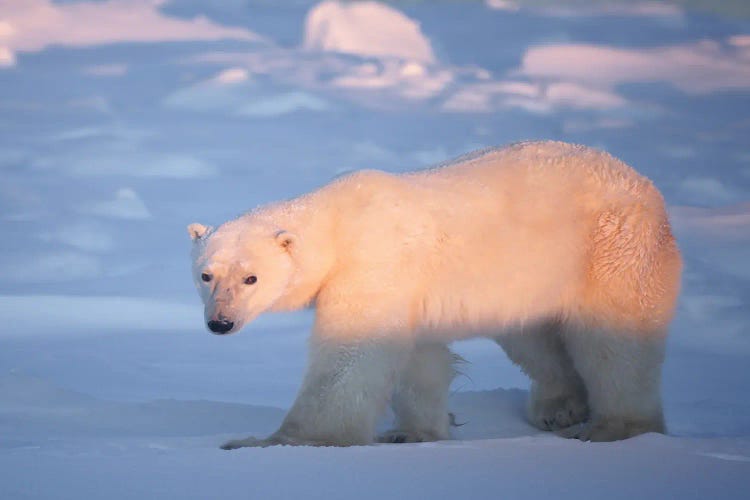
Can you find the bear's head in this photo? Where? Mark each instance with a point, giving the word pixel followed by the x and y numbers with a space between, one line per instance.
pixel 240 270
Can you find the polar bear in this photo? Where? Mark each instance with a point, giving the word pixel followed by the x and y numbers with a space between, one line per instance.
pixel 561 253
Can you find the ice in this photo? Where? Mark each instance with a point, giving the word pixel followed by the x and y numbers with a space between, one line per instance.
pixel 123 121
pixel 365 29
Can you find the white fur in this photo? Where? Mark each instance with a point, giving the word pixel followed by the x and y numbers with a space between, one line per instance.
pixel 562 253
pixel 558 396
pixel 420 397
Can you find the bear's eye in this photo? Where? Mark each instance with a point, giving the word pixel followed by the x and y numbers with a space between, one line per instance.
pixel 206 277
pixel 250 280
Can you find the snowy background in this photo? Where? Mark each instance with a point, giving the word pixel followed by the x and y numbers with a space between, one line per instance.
pixel 121 121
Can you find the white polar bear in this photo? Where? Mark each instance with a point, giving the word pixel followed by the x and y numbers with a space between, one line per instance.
pixel 561 253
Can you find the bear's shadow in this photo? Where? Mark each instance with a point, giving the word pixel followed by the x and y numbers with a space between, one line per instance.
pixel 34 410
pixel 499 413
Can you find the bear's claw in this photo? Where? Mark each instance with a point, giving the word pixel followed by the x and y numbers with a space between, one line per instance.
pixel 396 436
pixel 603 429
pixel 558 413
pixel 250 442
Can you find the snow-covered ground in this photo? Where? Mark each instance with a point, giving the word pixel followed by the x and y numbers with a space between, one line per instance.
pixel 124 120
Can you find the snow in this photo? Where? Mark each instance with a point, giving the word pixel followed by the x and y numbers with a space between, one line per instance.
pixel 694 67
pixel 125 120
pixel 365 29
pixel 34 25
pixel 708 189
pixel 126 204
pixel 632 8
pixel 84 236
pixel 533 97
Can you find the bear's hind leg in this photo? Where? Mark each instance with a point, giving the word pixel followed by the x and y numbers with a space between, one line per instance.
pixel 622 373
pixel 420 399
pixel 557 398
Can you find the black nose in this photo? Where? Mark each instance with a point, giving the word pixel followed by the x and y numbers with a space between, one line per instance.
pixel 222 326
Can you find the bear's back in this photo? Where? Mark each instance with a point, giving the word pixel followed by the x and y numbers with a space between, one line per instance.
pixel 513 226
pixel 551 159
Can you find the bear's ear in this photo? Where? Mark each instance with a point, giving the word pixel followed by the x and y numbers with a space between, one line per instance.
pixel 286 240
pixel 197 231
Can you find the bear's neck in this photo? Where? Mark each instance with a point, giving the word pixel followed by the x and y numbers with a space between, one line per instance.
pixel 311 219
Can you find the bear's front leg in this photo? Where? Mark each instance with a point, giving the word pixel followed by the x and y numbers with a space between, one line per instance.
pixel 345 390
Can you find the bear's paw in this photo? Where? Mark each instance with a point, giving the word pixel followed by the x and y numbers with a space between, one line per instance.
pixel 558 413
pixel 397 436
